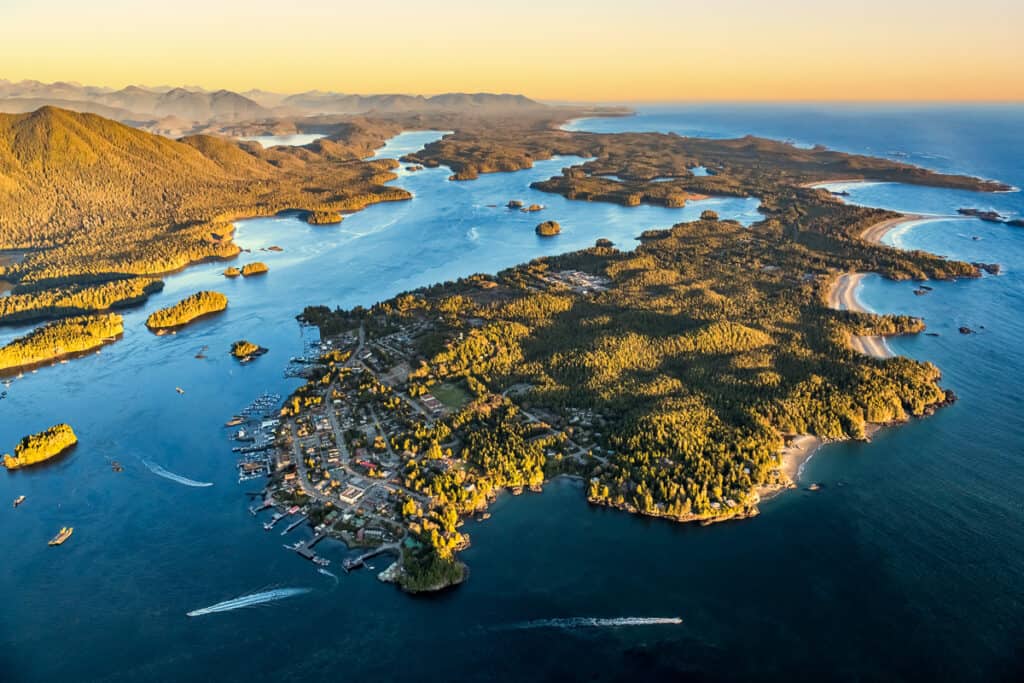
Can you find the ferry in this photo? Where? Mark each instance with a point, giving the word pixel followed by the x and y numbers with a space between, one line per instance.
pixel 19 500
pixel 63 535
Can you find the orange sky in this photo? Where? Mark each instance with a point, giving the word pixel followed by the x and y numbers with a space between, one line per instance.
pixel 628 50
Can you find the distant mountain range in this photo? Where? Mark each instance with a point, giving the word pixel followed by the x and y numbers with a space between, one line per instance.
pixel 179 108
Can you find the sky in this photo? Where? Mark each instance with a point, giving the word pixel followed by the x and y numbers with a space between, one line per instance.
pixel 567 50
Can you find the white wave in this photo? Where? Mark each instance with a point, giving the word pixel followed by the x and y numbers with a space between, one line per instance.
pixel 249 601
pixel 596 622
pixel 161 472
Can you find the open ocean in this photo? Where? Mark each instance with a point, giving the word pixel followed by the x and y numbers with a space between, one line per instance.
pixel 907 565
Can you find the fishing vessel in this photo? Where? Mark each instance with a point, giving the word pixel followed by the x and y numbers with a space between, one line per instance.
pixel 63 535
pixel 19 500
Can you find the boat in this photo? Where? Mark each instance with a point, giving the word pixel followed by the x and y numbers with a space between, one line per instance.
pixel 235 421
pixel 19 500
pixel 179 390
pixel 116 466
pixel 63 535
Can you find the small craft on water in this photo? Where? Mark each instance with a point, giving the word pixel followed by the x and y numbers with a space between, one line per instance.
pixel 19 500
pixel 63 535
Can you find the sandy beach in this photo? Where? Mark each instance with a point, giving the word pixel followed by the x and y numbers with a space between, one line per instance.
pixel 825 183
pixel 793 456
pixel 843 297
pixel 876 232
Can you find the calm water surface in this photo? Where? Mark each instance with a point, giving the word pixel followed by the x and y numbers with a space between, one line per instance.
pixel 906 565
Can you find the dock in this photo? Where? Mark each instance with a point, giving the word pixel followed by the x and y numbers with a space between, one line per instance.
pixel 267 504
pixel 273 522
pixel 294 524
pixel 352 564
pixel 305 549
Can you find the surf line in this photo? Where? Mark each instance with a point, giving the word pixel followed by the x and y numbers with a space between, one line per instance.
pixel 596 622
pixel 161 472
pixel 249 601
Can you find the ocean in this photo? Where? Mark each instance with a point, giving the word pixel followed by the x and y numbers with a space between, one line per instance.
pixel 906 565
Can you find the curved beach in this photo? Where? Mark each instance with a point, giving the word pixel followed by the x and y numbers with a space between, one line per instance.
pixel 842 296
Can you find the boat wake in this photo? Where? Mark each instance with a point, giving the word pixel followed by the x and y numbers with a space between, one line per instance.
pixel 325 572
pixel 249 601
pixel 574 623
pixel 161 472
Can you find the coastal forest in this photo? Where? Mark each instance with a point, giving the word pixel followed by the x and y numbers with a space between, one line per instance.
pixel 100 209
pixel 672 382
pixel 188 309
pixel 36 448
pixel 59 339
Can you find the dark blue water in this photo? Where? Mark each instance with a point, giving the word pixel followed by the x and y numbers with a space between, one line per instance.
pixel 909 569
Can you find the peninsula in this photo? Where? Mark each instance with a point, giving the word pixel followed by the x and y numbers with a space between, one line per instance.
pixel 681 380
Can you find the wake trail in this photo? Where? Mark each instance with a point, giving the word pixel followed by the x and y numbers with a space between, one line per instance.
pixel 594 622
pixel 249 601
pixel 161 472
pixel 323 571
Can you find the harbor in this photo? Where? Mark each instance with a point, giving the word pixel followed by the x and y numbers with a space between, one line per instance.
pixel 254 427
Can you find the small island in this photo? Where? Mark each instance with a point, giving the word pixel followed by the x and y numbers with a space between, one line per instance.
pixel 232 272
pixel 61 339
pixel 187 310
pixel 36 448
pixel 323 217
pixel 548 228
pixel 255 268
pixel 245 351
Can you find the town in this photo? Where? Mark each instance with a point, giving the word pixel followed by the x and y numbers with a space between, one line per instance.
pixel 371 453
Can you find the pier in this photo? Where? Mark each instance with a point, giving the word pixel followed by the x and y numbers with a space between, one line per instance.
pixel 267 504
pixel 273 522
pixel 351 564
pixel 294 524
pixel 305 549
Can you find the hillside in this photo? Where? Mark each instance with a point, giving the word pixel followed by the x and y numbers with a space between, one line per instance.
pixel 107 201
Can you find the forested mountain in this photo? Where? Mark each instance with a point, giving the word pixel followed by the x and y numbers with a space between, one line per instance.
pixel 104 200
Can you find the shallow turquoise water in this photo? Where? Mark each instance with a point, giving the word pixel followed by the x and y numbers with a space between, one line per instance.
pixel 909 568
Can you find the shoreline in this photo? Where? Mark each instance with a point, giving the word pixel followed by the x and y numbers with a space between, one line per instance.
pixel 842 293
pixel 842 296
pixel 875 233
